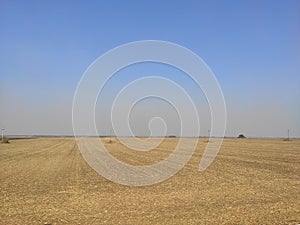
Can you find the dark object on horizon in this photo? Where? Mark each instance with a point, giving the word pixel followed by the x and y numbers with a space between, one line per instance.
pixel 171 136
pixel 5 140
pixel 241 136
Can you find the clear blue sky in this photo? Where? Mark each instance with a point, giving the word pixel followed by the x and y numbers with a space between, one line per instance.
pixel 253 48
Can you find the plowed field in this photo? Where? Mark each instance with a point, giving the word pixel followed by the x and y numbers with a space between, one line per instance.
pixel 252 181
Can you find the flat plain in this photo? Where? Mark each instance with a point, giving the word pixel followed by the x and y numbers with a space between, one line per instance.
pixel 251 181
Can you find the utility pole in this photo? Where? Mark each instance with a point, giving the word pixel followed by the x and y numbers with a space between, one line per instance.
pixel 2 133
pixel 288 134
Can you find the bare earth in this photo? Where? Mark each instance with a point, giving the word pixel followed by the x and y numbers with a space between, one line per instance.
pixel 252 181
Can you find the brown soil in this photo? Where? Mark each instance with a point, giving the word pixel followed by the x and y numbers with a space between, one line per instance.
pixel 252 181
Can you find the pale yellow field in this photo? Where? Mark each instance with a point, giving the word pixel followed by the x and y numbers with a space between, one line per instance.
pixel 252 181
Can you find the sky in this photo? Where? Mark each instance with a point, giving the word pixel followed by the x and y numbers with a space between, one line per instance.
pixel 252 47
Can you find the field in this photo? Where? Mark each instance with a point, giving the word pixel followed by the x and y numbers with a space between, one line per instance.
pixel 252 181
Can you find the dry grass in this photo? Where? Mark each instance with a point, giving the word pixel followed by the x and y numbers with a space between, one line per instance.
pixel 251 181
